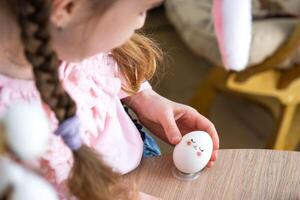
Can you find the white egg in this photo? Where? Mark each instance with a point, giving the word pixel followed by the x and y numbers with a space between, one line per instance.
pixel 193 152
pixel 27 130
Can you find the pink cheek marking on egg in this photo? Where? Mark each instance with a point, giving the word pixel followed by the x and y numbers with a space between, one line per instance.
pixel 189 143
pixel 198 153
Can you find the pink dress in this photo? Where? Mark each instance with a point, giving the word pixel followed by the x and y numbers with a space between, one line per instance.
pixel 95 85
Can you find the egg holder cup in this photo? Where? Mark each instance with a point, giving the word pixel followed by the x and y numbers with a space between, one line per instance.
pixel 184 176
pixel 191 155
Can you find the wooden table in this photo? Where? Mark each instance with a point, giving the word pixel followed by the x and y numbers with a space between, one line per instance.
pixel 238 174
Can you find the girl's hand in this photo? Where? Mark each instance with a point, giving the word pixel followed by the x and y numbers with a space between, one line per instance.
pixel 170 120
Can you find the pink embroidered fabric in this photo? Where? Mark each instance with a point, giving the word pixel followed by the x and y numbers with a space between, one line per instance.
pixel 95 85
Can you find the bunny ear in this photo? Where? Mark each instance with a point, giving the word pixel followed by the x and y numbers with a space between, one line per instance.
pixel 33 188
pixel 4 178
pixel 25 184
pixel 233 27
pixel 10 174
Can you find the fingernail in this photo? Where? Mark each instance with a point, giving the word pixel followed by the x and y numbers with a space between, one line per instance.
pixel 176 139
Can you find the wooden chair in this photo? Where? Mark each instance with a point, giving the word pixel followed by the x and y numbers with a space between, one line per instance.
pixel 260 83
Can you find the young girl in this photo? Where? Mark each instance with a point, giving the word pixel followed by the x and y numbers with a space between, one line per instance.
pixel 99 71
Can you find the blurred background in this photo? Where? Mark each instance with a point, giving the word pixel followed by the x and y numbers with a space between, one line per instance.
pixel 244 120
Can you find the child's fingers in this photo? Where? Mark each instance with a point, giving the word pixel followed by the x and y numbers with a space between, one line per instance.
pixel 170 127
pixel 212 159
pixel 214 155
pixel 204 124
pixel 210 164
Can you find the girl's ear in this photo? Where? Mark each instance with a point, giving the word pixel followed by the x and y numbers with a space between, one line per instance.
pixel 63 11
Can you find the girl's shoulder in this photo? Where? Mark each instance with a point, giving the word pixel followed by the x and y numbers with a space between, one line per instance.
pixel 99 71
pixel 102 64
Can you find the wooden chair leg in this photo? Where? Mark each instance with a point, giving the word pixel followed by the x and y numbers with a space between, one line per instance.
pixel 293 138
pixel 278 142
pixel 288 76
pixel 206 93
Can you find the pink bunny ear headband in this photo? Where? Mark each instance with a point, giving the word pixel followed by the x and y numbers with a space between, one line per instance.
pixel 233 27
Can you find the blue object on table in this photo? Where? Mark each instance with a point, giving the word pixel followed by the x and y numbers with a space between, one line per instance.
pixel 151 148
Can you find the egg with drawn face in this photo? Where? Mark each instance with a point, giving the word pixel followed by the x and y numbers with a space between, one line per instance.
pixel 193 152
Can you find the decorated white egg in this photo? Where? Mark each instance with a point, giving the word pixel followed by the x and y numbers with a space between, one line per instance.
pixel 193 152
pixel 26 130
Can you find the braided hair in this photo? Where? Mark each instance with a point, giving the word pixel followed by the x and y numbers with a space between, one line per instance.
pixel 90 178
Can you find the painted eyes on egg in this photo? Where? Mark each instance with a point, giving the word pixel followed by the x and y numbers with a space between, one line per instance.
pixel 190 142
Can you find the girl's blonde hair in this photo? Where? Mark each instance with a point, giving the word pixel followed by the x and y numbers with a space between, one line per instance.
pixel 137 60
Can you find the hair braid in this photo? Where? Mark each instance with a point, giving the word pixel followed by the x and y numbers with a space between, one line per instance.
pixel 90 178
pixel 35 34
